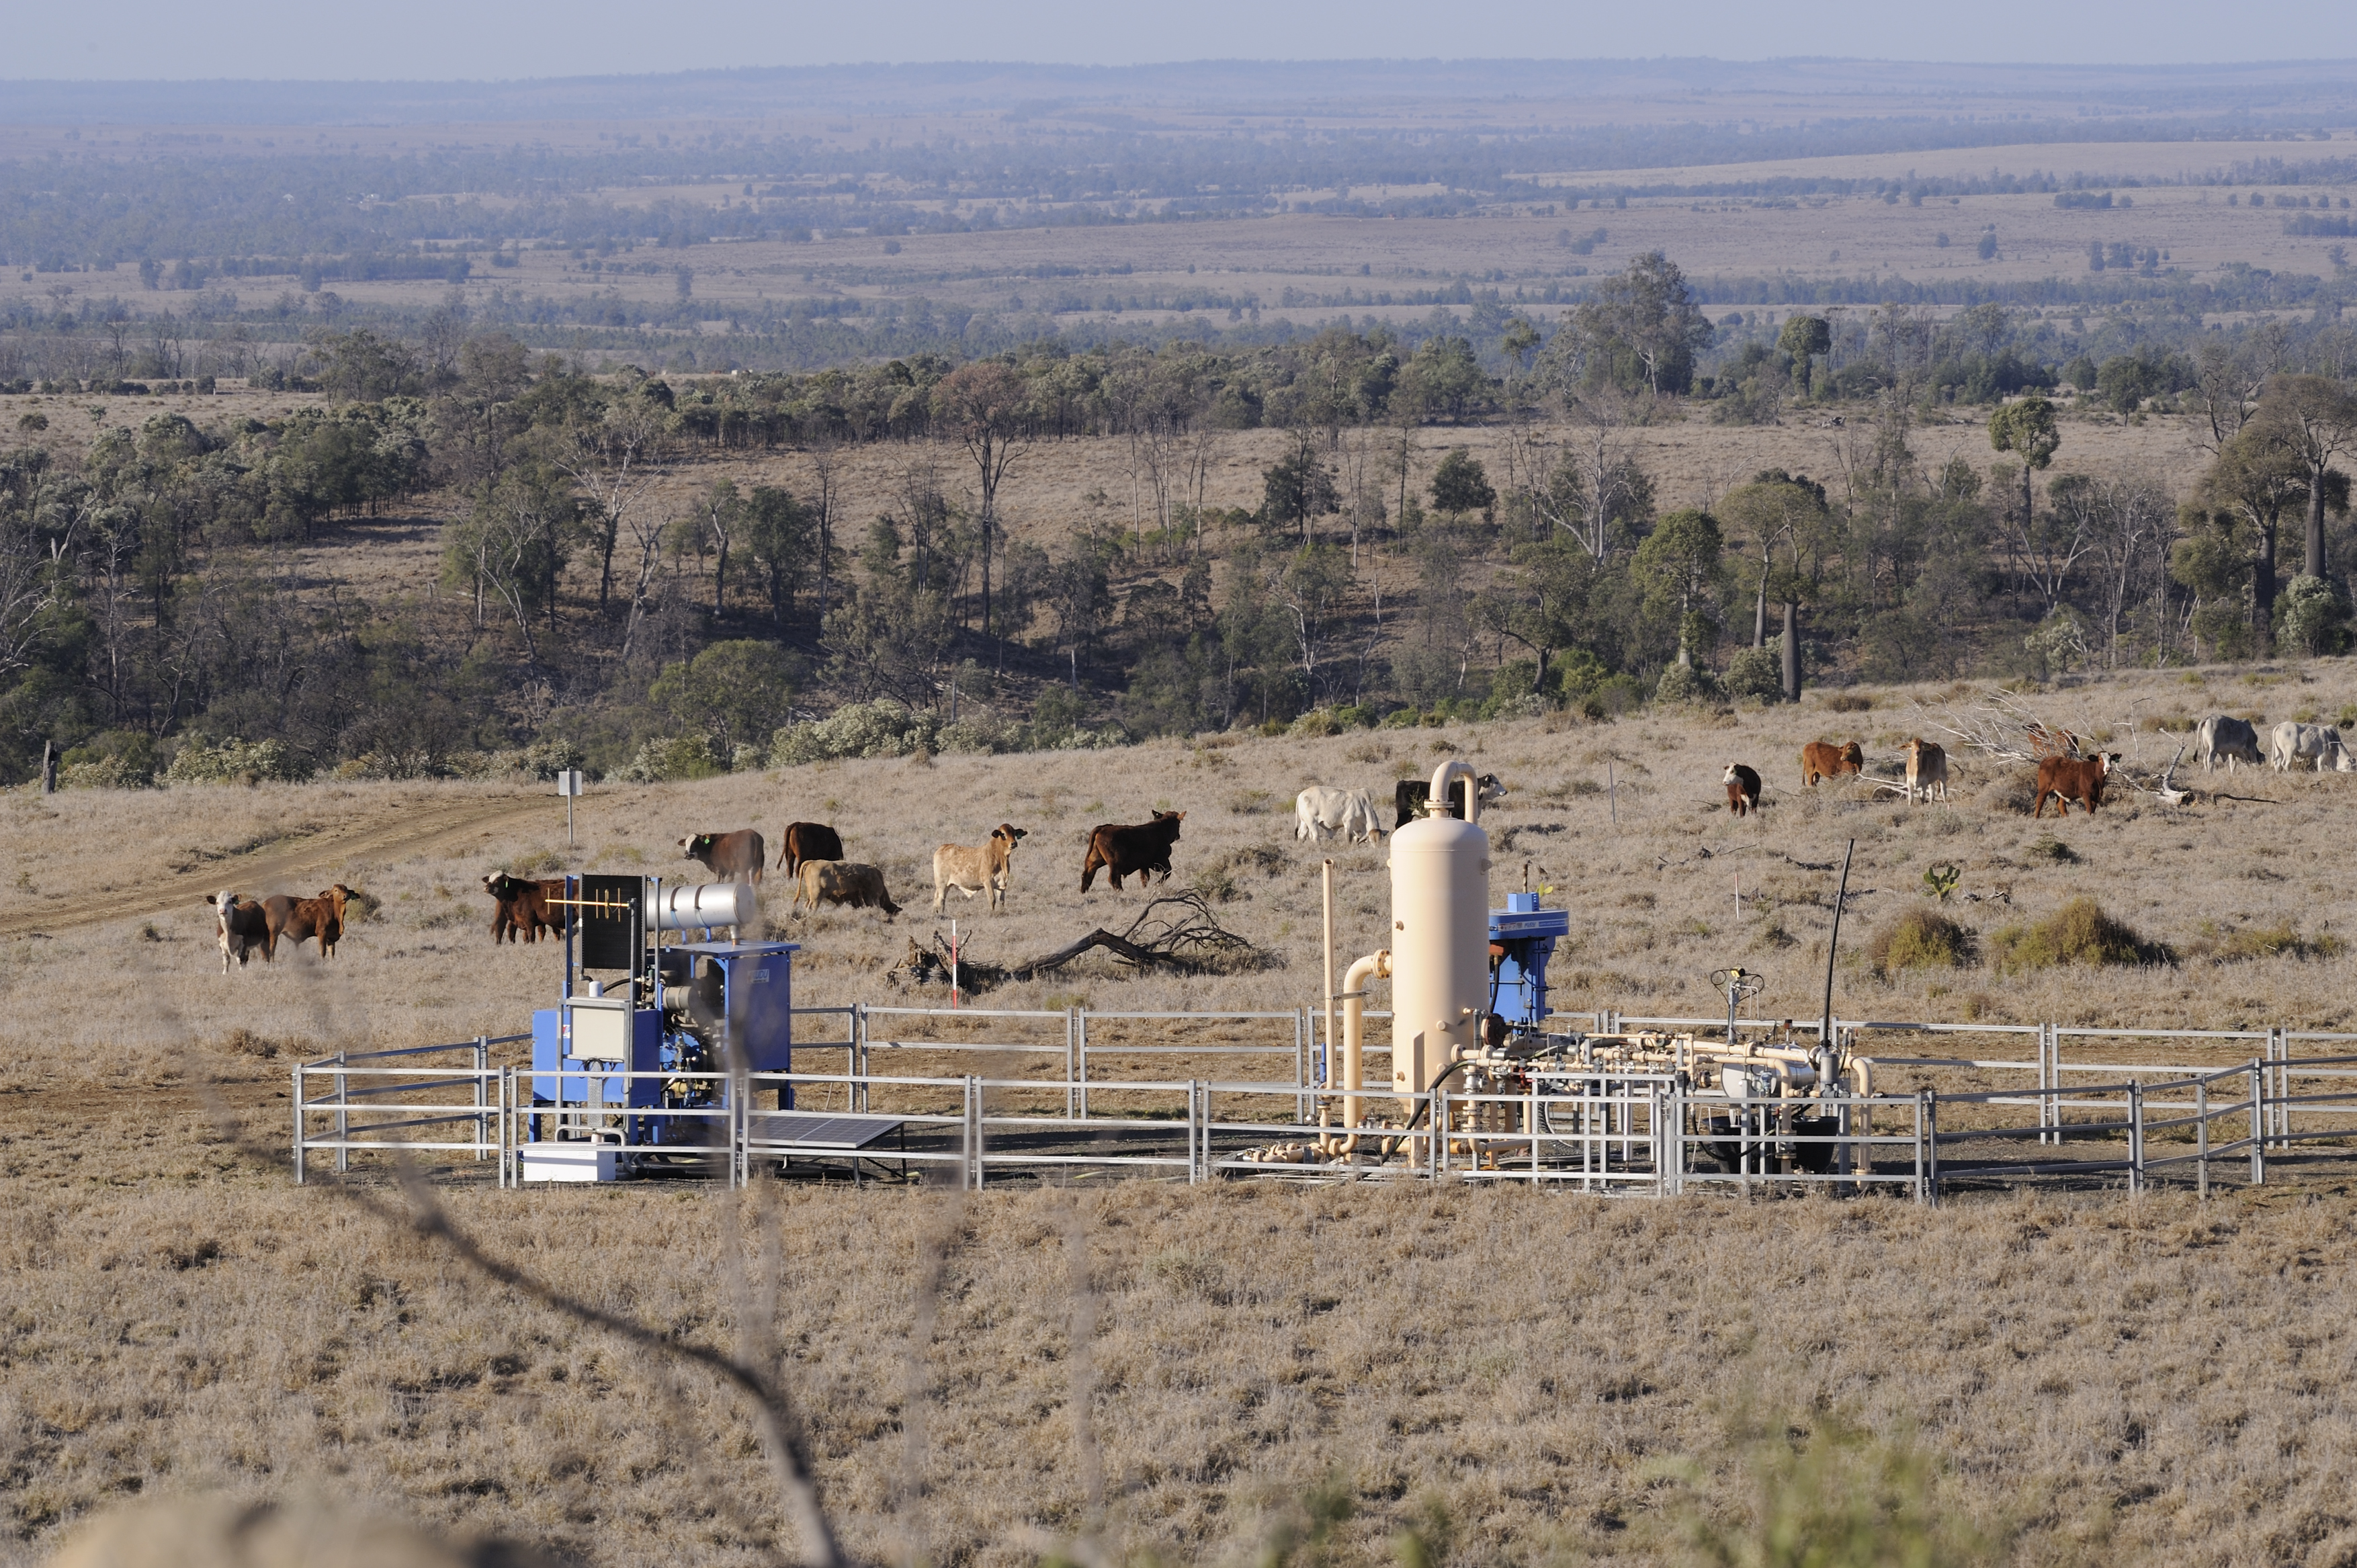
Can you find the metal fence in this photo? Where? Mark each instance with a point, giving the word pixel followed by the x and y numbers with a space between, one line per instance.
pixel 1082 1106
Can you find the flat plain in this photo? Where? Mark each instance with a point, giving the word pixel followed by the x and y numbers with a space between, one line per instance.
pixel 2148 1380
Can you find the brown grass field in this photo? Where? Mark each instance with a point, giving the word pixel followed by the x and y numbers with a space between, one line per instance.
pixel 2089 1377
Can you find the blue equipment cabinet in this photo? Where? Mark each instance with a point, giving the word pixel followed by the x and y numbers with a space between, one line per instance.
pixel 745 991
pixel 1521 939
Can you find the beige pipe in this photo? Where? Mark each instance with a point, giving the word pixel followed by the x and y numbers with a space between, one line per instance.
pixel 1449 773
pixel 1329 880
pixel 1375 966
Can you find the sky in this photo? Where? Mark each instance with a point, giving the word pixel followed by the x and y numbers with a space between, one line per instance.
pixel 473 39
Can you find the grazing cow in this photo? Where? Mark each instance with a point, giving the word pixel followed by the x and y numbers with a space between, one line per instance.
pixel 1409 795
pixel 298 921
pixel 1927 765
pixel 2308 743
pixel 980 868
pixel 2069 778
pixel 809 840
pixel 733 857
pixel 1318 812
pixel 243 926
pixel 841 882
pixel 526 906
pixel 1742 790
pixel 1141 848
pixel 2228 740
pixel 1821 760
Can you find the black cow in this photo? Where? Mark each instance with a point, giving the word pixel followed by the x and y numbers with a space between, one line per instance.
pixel 1409 795
pixel 1142 848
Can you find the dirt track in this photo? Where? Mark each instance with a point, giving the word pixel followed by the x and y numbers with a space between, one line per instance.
pixel 379 836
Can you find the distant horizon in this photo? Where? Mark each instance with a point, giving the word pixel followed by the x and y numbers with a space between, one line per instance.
pixel 2299 67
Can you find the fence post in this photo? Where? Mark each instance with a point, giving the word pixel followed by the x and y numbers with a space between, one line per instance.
pixel 1191 1143
pixel 1083 1014
pixel 482 1069
pixel 1071 1065
pixel 2258 1123
pixel 2135 1137
pixel 298 1124
pixel 2202 1137
pixel 509 1157
pixel 1301 1049
pixel 1927 1134
pixel 343 1120
pixel 2279 1046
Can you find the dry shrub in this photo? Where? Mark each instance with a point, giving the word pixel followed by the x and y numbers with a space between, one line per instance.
pixel 2282 938
pixel 2011 791
pixel 244 1042
pixel 2049 847
pixel 2077 933
pixel 1849 703
pixel 1920 938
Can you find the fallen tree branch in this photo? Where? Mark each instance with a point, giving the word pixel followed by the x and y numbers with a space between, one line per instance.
pixel 1176 933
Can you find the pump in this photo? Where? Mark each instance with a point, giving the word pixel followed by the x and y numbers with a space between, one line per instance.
pixel 688 1009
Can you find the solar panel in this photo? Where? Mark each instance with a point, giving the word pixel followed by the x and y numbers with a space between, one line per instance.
pixel 809 1129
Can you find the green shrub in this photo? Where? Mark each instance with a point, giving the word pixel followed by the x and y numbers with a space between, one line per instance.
pixel 1920 938
pixel 884 728
pixel 1755 672
pixel 2078 932
pixel 2313 616
pixel 1686 683
pixel 668 757
pixel 232 761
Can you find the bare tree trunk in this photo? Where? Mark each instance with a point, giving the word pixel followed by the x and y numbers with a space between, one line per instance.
pixel 1792 651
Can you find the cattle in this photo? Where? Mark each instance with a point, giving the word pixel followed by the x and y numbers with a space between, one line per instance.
pixel 977 868
pixel 526 906
pixel 1409 795
pixel 1318 812
pixel 241 925
pixel 2069 778
pixel 733 857
pixel 1820 759
pixel 1122 849
pixel 298 921
pixel 843 882
pixel 1742 790
pixel 1927 765
pixel 2312 743
pixel 2219 739
pixel 809 840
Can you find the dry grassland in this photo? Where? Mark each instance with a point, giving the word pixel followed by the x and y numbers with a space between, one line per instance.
pixel 2141 1381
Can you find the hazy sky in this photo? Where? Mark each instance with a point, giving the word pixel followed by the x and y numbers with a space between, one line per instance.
pixel 444 40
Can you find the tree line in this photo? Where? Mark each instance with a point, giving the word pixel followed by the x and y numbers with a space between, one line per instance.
pixel 594 593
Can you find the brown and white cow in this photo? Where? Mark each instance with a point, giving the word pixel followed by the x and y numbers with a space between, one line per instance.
pixel 1742 790
pixel 977 868
pixel 526 906
pixel 806 841
pixel 737 857
pixel 2069 778
pixel 1927 765
pixel 841 882
pixel 1820 759
pixel 297 920
pixel 1140 848
pixel 241 925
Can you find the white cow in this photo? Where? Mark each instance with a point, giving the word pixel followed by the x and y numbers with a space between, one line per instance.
pixel 1318 812
pixel 978 868
pixel 2311 744
pixel 2228 740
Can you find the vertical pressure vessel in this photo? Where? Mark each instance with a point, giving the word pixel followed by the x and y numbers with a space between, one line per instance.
pixel 1440 935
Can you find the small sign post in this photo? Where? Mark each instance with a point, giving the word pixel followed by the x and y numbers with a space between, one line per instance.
pixel 568 784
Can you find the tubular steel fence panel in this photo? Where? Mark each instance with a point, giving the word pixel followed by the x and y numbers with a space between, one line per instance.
pixel 1580 1129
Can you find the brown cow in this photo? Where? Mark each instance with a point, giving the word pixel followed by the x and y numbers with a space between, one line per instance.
pixel 297 920
pixel 1742 790
pixel 2069 778
pixel 733 857
pixel 1142 847
pixel 526 906
pixel 809 840
pixel 977 868
pixel 841 882
pixel 1821 760
pixel 241 925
